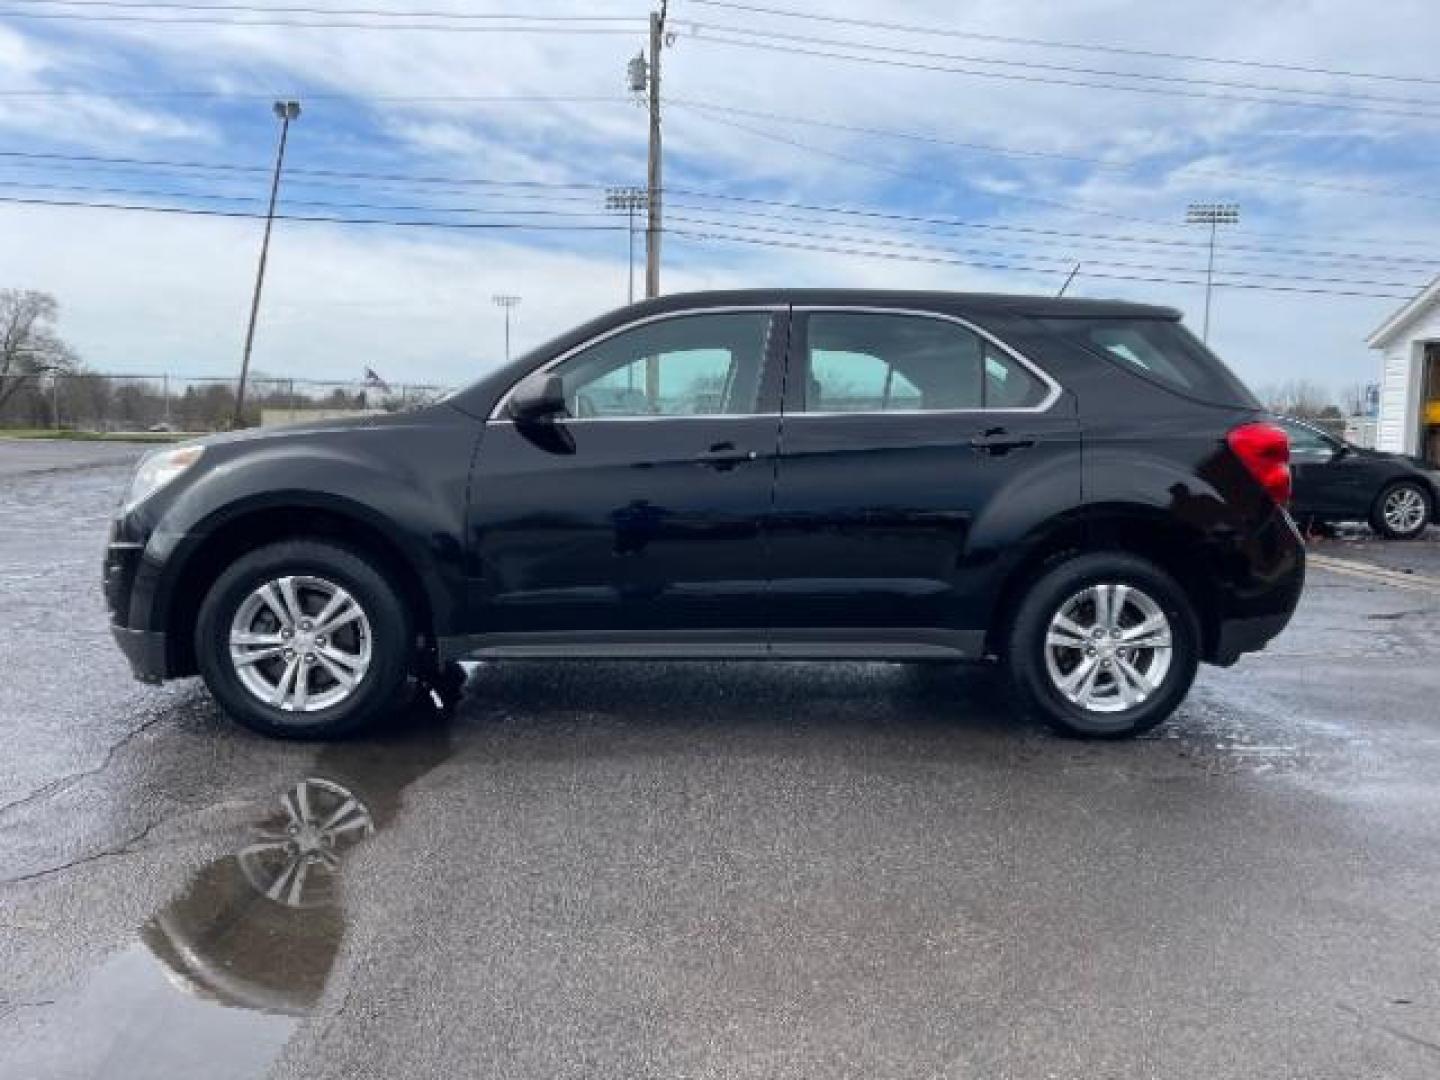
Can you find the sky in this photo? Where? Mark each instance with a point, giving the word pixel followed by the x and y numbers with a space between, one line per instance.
pixel 981 150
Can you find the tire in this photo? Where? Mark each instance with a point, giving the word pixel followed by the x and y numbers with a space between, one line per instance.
pixel 340 683
pixel 1119 705
pixel 1394 515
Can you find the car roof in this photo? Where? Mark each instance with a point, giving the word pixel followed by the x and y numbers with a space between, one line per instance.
pixel 1044 307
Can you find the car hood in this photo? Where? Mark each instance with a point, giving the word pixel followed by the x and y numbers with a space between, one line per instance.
pixel 310 427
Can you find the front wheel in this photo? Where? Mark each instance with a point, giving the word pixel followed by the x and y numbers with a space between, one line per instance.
pixel 1402 511
pixel 304 639
pixel 1103 646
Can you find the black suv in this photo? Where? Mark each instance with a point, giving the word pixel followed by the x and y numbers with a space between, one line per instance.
pixel 1075 487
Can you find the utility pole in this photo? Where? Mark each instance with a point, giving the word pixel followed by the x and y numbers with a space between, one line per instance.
pixel 1212 214
pixel 628 199
pixel 652 228
pixel 507 302
pixel 286 111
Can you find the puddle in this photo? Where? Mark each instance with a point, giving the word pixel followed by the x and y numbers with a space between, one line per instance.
pixel 217 981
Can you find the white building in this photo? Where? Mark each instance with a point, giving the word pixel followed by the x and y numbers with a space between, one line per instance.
pixel 1409 341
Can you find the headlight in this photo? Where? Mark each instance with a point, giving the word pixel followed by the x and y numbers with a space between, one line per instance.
pixel 158 469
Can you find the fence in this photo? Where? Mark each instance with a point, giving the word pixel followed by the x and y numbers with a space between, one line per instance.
pixel 103 402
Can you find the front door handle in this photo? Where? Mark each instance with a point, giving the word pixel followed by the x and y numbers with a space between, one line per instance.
pixel 724 455
pixel 997 441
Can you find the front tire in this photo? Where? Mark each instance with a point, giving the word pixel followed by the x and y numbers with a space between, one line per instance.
pixel 1401 511
pixel 304 639
pixel 1103 646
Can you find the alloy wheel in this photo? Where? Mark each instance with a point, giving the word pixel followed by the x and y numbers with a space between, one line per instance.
pixel 300 643
pixel 1404 510
pixel 1108 647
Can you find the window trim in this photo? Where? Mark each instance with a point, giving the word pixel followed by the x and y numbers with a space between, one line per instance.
pixel 498 414
pixel 1055 390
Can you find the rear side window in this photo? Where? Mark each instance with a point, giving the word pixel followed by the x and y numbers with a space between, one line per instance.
pixel 1161 351
pixel 880 362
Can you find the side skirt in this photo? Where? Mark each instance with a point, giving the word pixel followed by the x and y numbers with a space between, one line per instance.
pixel 743 644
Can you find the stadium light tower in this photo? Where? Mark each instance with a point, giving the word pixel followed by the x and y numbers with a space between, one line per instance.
pixel 285 112
pixel 628 199
pixel 506 301
pixel 1212 214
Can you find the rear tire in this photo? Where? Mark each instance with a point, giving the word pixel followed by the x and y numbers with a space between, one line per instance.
pixel 1103 646
pixel 304 639
pixel 1401 510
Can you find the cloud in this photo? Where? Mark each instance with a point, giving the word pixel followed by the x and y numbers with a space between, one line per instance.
pixel 159 293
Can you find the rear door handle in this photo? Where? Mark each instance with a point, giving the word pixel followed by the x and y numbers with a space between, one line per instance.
pixel 724 455
pixel 998 441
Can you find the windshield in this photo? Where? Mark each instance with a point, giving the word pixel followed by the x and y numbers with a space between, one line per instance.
pixel 1161 351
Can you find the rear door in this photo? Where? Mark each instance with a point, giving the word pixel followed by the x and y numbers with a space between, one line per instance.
pixel 916 452
pixel 634 523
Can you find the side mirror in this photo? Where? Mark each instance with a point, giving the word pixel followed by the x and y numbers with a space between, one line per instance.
pixel 539 397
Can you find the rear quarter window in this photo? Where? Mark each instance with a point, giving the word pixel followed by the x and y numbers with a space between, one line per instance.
pixel 1159 351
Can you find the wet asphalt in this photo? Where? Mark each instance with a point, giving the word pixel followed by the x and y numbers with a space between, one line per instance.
pixel 707 870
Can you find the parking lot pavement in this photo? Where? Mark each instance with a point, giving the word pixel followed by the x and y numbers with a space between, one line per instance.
pixel 702 870
pixel 1359 544
pixel 23 456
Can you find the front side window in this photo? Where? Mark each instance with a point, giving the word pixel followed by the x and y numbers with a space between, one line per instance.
pixel 879 362
pixel 689 365
pixel 1307 443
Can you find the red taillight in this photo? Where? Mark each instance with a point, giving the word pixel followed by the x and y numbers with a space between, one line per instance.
pixel 1265 451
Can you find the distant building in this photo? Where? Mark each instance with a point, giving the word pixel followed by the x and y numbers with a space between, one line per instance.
pixel 1409 341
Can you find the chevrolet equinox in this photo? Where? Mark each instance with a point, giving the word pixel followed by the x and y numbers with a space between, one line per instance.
pixel 1076 488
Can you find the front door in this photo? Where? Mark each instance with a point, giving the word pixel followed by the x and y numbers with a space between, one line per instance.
pixel 634 523
pixel 911 446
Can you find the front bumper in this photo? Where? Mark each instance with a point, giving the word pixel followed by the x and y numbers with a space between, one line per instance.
pixel 144 649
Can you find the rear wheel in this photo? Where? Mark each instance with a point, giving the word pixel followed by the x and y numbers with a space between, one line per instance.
pixel 1401 511
pixel 1103 646
pixel 304 639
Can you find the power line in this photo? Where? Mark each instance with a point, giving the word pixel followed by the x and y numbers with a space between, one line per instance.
pixel 286 9
pixel 203 20
pixel 1019 268
pixel 902 245
pixel 1089 249
pixel 1070 69
pixel 267 95
pixel 191 211
pixel 33 159
pixel 1009 151
pixel 770 242
pixel 928 178
pixel 1115 50
pixel 152 193
pixel 888 216
pixel 1126 245
pixel 794 47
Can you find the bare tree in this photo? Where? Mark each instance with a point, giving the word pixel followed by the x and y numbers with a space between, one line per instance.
pixel 1299 398
pixel 29 346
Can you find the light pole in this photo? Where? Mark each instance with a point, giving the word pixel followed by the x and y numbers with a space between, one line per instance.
pixel 286 111
pixel 1211 214
pixel 507 302
pixel 628 199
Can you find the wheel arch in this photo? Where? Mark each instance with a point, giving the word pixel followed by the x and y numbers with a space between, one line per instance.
pixel 1132 529
pixel 241 530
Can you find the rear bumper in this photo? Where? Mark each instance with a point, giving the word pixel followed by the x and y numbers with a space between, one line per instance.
pixel 144 649
pixel 1239 636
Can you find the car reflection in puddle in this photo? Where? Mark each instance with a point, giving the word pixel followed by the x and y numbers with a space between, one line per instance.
pixel 221 977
